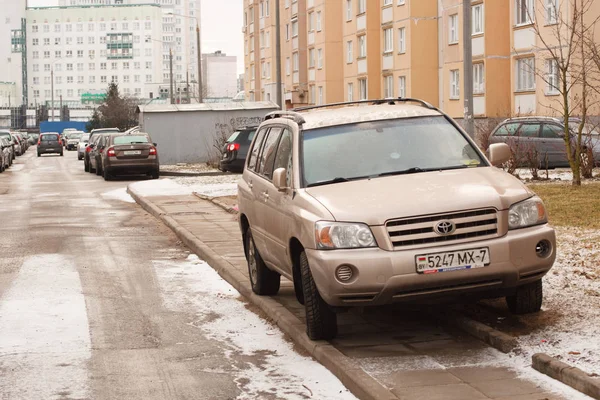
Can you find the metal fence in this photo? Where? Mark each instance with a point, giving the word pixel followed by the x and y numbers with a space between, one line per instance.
pixel 29 118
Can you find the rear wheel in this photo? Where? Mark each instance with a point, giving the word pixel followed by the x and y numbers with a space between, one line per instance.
pixel 61 153
pixel 527 299
pixel 264 281
pixel 107 176
pixel 321 320
pixel 155 174
pixel 86 166
pixel 39 155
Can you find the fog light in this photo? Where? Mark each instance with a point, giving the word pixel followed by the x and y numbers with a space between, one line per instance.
pixel 344 273
pixel 543 249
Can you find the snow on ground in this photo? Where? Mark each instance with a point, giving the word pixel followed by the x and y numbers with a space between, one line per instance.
pixel 213 186
pixel 188 167
pixel 119 194
pixel 281 372
pixel 160 187
pixel 571 329
pixel 560 174
pixel 44 333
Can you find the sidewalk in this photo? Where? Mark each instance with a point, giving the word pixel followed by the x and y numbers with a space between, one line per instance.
pixel 381 353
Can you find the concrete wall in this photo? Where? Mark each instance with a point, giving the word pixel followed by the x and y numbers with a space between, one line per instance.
pixel 189 136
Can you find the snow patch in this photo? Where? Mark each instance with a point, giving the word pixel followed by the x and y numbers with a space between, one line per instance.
pixel 283 373
pixel 160 187
pixel 208 186
pixel 44 334
pixel 119 194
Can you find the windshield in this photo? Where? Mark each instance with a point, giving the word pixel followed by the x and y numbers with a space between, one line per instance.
pixel 379 148
pixel 129 139
pixel 75 136
pixel 85 137
pixel 47 138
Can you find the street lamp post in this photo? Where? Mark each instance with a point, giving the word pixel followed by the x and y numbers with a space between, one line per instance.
pixel 52 90
pixel 171 75
pixel 199 52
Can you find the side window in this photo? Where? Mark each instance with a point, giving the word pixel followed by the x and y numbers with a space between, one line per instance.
pixel 283 159
pixel 250 136
pixel 552 132
pixel 253 155
pixel 529 130
pixel 508 129
pixel 267 155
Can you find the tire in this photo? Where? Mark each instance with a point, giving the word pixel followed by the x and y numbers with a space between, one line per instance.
pixel 264 281
pixel 155 174
pixel 79 158
pixel 39 155
pixel 86 166
pixel 92 170
pixel 321 320
pixel 107 176
pixel 61 153
pixel 527 299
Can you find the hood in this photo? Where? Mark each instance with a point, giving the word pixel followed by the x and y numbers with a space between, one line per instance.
pixel 378 200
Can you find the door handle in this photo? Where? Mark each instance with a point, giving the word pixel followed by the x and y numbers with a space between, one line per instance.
pixel 250 185
pixel 266 195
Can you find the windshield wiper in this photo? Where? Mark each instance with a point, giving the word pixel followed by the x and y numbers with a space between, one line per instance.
pixel 339 179
pixel 415 170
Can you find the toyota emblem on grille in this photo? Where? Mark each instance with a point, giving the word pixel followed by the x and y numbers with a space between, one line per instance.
pixel 444 227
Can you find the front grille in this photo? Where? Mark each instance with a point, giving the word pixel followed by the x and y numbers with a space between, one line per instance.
pixel 473 224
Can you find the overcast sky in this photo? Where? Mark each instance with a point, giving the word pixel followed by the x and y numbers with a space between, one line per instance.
pixel 221 26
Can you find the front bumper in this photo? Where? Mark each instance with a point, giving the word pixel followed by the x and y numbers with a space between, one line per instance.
pixel 383 277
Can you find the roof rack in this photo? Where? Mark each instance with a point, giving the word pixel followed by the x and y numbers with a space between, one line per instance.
pixel 293 115
pixel 390 101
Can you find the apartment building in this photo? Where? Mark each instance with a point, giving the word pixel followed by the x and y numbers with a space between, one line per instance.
pixel 220 75
pixel 13 11
pixel 88 47
pixel 8 94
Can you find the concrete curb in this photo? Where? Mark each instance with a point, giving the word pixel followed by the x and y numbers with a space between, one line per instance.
pixel 361 384
pixel 216 201
pixel 498 340
pixel 193 174
pixel 567 374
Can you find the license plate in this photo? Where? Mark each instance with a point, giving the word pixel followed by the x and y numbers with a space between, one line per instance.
pixel 452 260
pixel 49 149
pixel 132 152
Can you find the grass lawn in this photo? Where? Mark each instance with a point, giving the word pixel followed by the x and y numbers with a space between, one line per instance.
pixel 571 206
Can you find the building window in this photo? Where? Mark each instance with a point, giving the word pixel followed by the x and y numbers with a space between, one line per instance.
pixel 46 41
pixel 525 74
pixel 453 27
pixel 92 79
pixel 295 62
pixel 454 85
pixel 319 21
pixel 79 53
pixel 91 40
pixel 362 46
pixel 362 6
pixel 36 41
pixel 387 2
pixel 69 79
pixel 80 67
pixel 321 95
pixel 388 40
pixel 402 40
pixel 148 64
pixel 313 94
pixel 349 51
pixel 288 66
pixel 80 80
pixel 69 67
pixel 36 67
pixel 46 54
pixel 350 92
pixel 69 92
pixel 525 10
pixel 362 89
pixel 477 15
pixel 311 21
pixel 295 28
pixel 103 79
pixel 114 65
pixel 478 78
pixel 552 77
pixel 551 11
pixel 402 86
pixel 388 86
pixel 287 32
pixel 320 58
pixel 348 10
pixel 311 58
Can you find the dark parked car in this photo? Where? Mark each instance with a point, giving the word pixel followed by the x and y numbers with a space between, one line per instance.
pixel 91 142
pixel 6 135
pixel 543 136
pixel 236 149
pixel 127 154
pixel 49 143
pixel 5 154
pixel 33 138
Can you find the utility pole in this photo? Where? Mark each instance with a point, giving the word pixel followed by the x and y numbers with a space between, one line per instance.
pixel 279 94
pixel 171 74
pixel 199 47
pixel 468 68
pixel 52 90
pixel 187 85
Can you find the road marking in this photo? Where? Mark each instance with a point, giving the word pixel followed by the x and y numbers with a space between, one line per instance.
pixel 44 333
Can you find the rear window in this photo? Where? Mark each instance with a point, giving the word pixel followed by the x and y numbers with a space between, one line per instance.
pixel 233 136
pixel 47 138
pixel 130 139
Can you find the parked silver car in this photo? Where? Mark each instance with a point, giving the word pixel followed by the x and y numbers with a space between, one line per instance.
pixel 83 142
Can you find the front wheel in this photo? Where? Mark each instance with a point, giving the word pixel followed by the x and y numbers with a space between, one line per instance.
pixel 107 176
pixel 321 320
pixel 527 299
pixel 264 281
pixel 61 153
pixel 39 155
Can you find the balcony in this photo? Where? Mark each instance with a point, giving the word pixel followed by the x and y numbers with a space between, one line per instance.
pixel 361 22
pixel 262 53
pixel 387 15
pixel 251 28
pixel 252 57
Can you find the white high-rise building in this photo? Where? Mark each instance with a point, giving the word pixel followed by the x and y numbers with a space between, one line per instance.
pixel 178 34
pixel 220 75
pixel 13 11
pixel 88 47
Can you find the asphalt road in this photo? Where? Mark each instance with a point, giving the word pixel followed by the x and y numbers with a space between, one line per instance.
pixel 90 304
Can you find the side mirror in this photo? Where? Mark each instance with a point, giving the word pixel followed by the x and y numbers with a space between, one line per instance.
pixel 499 153
pixel 279 179
pixel 91 146
pixel 155 144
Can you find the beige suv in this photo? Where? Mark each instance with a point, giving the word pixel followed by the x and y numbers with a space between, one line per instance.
pixel 375 202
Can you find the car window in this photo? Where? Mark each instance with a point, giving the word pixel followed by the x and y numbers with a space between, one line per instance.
pixel 48 138
pixel 250 136
pixel 256 148
pixel 129 139
pixel 529 130
pixel 233 136
pixel 283 159
pixel 552 132
pixel 267 156
pixel 507 129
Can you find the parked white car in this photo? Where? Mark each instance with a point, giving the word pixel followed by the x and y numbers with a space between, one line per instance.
pixel 83 141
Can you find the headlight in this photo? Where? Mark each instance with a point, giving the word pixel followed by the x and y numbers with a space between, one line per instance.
pixel 527 213
pixel 339 235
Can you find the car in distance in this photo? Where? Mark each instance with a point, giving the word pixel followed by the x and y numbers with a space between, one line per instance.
pixel 91 142
pixel 49 143
pixel 235 149
pixel 73 140
pixel 385 201
pixel 83 141
pixel 128 154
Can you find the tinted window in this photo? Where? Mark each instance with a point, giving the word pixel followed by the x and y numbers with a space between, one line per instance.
pixel 129 139
pixel 552 132
pixel 284 155
pixel 233 136
pixel 529 130
pixel 47 138
pixel 255 149
pixel 250 136
pixel 507 129
pixel 267 156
